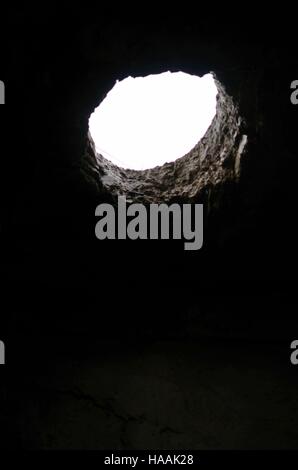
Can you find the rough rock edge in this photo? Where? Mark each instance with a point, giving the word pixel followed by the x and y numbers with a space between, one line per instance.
pixel 216 159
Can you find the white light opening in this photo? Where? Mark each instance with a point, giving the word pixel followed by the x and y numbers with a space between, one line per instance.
pixel 147 121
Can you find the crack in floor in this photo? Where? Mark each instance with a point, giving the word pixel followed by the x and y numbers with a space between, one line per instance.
pixel 108 410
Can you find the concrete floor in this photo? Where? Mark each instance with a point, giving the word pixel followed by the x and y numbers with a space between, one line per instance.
pixel 162 395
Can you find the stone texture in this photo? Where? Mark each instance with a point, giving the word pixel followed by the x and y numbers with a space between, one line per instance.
pixel 171 395
pixel 212 162
pixel 64 294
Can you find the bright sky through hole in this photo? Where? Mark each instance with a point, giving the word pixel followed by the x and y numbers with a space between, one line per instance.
pixel 148 121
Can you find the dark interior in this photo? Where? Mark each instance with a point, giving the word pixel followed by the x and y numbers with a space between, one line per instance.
pixel 139 344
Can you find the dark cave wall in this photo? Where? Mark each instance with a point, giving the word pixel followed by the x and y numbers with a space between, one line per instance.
pixel 76 70
pixel 160 347
pixel 56 76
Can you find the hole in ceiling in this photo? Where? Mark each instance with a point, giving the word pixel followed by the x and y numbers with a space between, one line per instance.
pixel 213 163
pixel 145 122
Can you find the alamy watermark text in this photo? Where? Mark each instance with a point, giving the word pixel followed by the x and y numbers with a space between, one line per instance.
pixel 158 221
